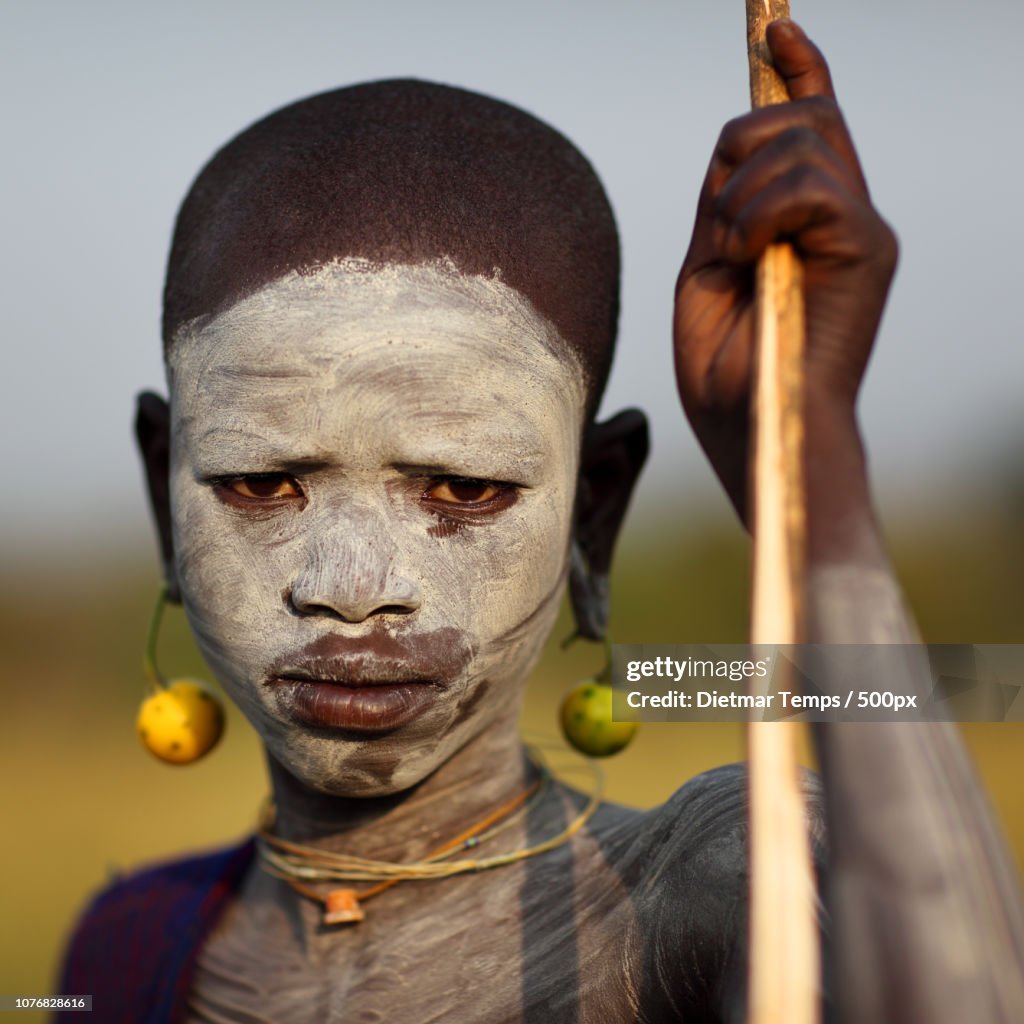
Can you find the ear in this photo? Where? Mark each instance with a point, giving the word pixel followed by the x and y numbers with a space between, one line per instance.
pixel 612 456
pixel 153 434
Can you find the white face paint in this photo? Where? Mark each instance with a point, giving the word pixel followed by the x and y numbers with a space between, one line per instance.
pixel 373 472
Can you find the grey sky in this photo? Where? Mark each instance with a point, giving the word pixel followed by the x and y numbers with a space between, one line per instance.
pixel 111 108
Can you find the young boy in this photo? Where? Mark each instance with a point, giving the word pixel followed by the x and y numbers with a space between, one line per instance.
pixel 389 316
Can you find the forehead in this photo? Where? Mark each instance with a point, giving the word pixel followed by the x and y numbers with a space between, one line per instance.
pixel 424 343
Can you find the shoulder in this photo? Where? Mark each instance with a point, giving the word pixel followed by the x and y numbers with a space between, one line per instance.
pixel 693 890
pixel 147 926
pixel 703 825
pixel 702 822
pixel 695 849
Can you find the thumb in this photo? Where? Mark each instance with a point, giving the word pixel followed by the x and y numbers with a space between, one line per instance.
pixel 800 63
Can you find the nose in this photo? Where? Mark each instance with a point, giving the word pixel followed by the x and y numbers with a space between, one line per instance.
pixel 351 573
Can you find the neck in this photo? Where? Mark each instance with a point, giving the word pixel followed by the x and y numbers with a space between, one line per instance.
pixel 486 773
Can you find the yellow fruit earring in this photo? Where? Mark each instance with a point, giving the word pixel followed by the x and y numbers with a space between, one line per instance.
pixel 181 720
pixel 586 715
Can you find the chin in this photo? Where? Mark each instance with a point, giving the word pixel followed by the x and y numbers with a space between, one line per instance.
pixel 362 766
pixel 357 766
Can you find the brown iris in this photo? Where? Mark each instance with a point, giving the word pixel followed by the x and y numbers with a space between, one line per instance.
pixel 467 500
pixel 260 489
pixel 462 492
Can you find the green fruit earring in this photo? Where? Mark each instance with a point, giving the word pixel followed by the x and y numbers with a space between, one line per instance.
pixel 586 716
pixel 181 720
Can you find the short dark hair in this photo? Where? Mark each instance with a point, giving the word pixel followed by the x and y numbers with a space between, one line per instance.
pixel 403 171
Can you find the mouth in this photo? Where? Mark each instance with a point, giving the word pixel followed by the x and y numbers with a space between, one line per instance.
pixel 375 706
pixel 365 686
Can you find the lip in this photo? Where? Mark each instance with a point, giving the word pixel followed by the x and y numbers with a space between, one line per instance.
pixel 373 707
pixel 371 684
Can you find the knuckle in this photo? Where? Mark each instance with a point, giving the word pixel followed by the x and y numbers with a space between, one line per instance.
pixel 730 138
pixel 822 110
pixel 822 114
pixel 887 246
pixel 806 178
pixel 800 140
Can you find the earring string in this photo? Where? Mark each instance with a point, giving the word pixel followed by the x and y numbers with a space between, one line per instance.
pixel 152 673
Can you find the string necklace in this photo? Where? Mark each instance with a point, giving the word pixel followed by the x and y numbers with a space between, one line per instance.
pixel 297 864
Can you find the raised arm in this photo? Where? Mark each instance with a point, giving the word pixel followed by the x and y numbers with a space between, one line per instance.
pixel 927 920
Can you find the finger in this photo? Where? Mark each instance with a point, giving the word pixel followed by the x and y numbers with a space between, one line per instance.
pixel 800 63
pixel 793 148
pixel 808 207
pixel 713 337
pixel 743 136
pixel 702 242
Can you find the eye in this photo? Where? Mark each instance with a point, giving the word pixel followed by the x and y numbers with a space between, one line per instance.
pixel 259 489
pixel 456 491
pixel 468 499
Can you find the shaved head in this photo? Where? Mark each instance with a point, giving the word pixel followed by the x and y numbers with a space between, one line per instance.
pixel 403 172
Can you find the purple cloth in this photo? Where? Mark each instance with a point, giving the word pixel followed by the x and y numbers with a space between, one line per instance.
pixel 135 948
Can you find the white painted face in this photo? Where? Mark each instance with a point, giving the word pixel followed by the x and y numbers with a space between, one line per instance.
pixel 373 472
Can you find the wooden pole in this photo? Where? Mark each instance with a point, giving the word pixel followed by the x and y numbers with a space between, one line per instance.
pixel 784 955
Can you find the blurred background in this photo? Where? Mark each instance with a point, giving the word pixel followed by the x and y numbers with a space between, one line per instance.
pixel 109 111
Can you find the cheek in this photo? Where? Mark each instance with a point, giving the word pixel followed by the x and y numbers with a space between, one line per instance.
pixel 498 577
pixel 229 585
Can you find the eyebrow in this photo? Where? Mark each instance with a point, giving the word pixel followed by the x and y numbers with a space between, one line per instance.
pixel 222 451
pixel 515 451
pixel 228 445
pixel 519 469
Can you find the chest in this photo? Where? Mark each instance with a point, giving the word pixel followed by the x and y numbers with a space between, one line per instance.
pixel 528 943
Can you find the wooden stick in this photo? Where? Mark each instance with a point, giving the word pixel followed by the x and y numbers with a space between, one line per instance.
pixel 784 956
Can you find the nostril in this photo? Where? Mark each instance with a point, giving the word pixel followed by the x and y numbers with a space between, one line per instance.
pixel 304 607
pixel 395 609
pixel 342 610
